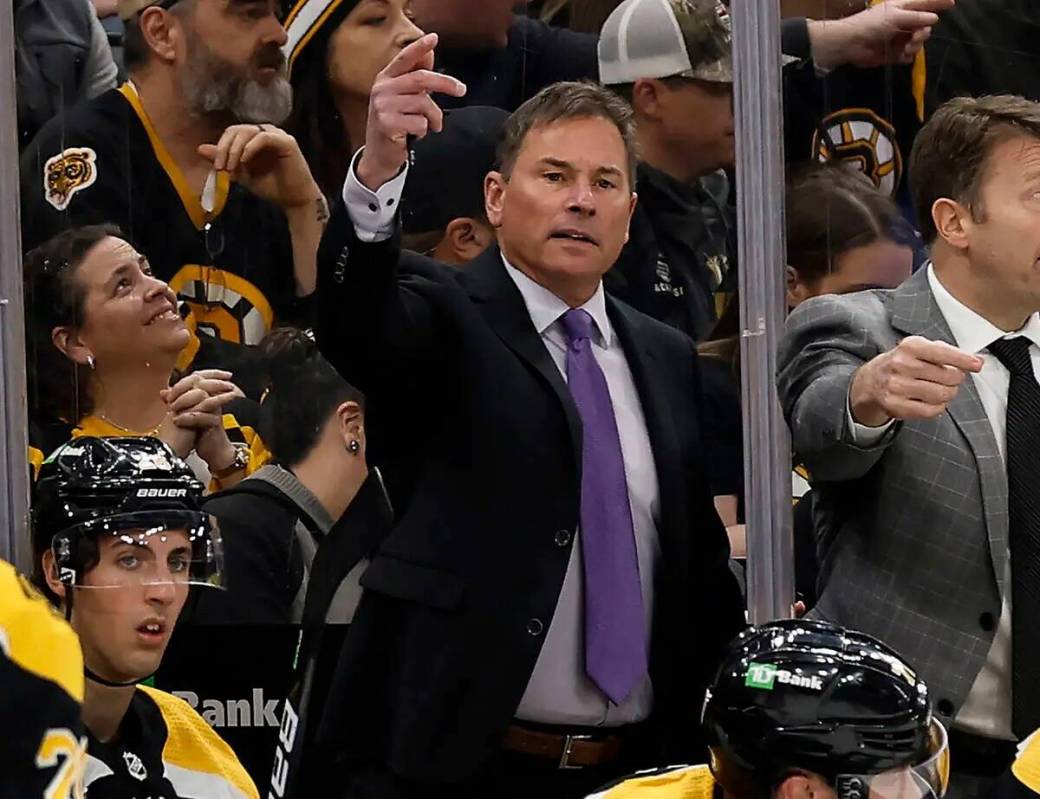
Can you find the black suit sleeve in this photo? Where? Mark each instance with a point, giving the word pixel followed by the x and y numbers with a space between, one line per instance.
pixel 371 323
pixel 794 38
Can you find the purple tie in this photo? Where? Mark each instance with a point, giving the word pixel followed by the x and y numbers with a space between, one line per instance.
pixel 615 628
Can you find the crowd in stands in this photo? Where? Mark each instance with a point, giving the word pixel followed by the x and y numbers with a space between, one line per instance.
pixel 387 354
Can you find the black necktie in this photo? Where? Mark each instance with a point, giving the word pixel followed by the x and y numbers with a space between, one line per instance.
pixel 1023 472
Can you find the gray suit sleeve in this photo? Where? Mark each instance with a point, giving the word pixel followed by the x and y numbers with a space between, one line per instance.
pixel 100 71
pixel 825 341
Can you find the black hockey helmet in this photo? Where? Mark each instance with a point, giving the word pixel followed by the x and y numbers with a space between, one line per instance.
pixel 798 695
pixel 128 487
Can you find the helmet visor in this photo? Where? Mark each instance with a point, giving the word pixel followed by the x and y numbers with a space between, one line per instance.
pixel 147 548
pixel 926 780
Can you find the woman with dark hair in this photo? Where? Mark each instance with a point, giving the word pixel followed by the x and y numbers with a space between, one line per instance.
pixel 843 235
pixel 335 50
pixel 273 522
pixel 104 341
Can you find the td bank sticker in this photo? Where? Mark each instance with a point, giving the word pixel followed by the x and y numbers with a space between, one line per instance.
pixel 761 675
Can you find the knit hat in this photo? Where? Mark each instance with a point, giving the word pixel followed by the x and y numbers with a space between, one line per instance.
pixel 306 19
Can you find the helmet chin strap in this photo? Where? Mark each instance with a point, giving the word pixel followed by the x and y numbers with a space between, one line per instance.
pixel 102 681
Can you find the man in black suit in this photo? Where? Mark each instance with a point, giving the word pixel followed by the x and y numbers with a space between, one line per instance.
pixel 555 595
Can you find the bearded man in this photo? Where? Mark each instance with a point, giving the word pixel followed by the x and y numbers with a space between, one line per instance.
pixel 186 158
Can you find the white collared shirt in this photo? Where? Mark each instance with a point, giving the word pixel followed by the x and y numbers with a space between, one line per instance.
pixel 559 692
pixel 987 708
pixel 974 334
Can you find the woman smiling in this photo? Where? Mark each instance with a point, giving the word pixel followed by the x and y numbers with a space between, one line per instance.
pixel 104 337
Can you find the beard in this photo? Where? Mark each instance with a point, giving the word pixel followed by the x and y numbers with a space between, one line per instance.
pixel 212 85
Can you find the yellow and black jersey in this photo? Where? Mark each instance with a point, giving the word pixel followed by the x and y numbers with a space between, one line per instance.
pixel 867 118
pixel 231 266
pixel 672 782
pixel 42 751
pixel 164 750
pixel 1023 780
pixel 45 439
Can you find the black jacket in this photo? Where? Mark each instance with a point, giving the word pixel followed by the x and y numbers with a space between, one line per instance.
pixel 681 251
pixel 537 55
pixel 264 562
pixel 984 47
pixel 62 58
pixel 473 423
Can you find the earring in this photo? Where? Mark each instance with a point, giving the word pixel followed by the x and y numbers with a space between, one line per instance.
pixel 354 447
pixel 90 362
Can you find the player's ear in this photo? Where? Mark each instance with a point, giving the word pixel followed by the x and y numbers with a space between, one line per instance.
pixel 50 575
pixel 800 786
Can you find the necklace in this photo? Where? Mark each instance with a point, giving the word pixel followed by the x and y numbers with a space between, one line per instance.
pixel 147 434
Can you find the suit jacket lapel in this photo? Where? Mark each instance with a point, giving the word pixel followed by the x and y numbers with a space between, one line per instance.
pixel 503 307
pixel 646 373
pixel 915 312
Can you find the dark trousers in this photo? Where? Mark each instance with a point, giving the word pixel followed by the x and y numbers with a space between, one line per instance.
pixel 977 763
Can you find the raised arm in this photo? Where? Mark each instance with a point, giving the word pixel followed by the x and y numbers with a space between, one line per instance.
pixel 371 313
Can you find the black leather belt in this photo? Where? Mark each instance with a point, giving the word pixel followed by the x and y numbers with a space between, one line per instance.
pixel 978 756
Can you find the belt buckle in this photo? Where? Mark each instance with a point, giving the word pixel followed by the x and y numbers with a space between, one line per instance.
pixel 568 745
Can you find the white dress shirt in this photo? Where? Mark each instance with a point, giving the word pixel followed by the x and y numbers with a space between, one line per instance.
pixel 987 709
pixel 559 691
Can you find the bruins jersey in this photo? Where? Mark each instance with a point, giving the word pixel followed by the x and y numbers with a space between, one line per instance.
pixel 673 782
pixel 41 690
pixel 45 439
pixel 867 118
pixel 164 750
pixel 1023 780
pixel 231 267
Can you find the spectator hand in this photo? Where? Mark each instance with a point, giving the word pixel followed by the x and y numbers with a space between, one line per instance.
pixel 180 439
pixel 401 106
pixel 267 161
pixel 916 379
pixel 891 32
pixel 196 406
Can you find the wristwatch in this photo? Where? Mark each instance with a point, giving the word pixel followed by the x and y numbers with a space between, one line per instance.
pixel 238 463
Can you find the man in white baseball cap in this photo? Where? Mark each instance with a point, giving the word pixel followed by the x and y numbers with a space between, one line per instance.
pixel 671 59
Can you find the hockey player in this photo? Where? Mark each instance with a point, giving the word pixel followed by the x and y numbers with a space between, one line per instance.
pixel 119 540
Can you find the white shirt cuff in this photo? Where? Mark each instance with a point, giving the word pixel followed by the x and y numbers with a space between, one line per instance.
pixel 863 436
pixel 372 212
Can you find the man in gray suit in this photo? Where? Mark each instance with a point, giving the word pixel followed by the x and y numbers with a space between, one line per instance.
pixel 917 412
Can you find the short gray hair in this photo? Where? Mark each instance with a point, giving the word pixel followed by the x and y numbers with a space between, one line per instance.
pixel 564 101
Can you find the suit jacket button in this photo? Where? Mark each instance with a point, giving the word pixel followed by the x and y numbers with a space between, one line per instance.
pixel 563 538
pixel 535 627
pixel 945 707
pixel 987 622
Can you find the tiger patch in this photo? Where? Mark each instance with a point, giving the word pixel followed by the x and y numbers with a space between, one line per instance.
pixel 68 172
